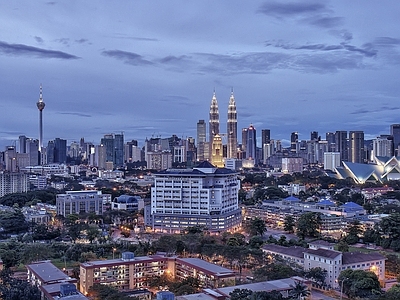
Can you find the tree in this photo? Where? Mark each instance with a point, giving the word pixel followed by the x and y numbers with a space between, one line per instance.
pixel 256 226
pixel 308 225
pixel 92 233
pixel 317 275
pixel 392 294
pixel 289 224
pixel 17 289
pixel 299 291
pixel 343 246
pixel 13 221
pixel 240 294
pixel 106 292
pixel 359 283
pixel 353 232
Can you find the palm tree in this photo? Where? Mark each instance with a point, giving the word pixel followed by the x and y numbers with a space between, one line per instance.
pixel 299 291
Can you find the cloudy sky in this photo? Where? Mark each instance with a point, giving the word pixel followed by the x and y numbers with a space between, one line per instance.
pixel 149 68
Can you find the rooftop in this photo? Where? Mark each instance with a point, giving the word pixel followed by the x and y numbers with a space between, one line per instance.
pixel 207 267
pixel 355 257
pixel 294 251
pixel 323 253
pixel 47 272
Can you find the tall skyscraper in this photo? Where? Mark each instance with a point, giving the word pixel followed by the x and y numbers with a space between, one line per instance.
pixel 341 145
pixel 356 146
pixel 232 128
pixel 382 146
pixel 214 118
pixel 330 138
pixel 201 139
pixel 60 151
pixel 265 136
pixel 294 140
pixel 244 140
pixel 395 132
pixel 314 136
pixel 119 150
pixel 251 145
pixel 40 105
pixel 22 143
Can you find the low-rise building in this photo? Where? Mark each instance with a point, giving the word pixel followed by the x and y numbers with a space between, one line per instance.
pixel 75 202
pixel 132 272
pixel 322 255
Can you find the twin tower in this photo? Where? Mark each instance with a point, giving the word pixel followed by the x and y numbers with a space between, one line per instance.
pixel 215 137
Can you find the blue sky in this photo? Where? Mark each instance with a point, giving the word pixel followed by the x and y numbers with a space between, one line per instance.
pixel 149 68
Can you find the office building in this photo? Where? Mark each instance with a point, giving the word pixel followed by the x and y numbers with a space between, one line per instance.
pixel 356 147
pixel 10 159
pixel 201 139
pixel 118 150
pixel 60 151
pixel 244 141
pixel 217 152
pixel 203 196
pixel 330 138
pixel 251 143
pixel 314 136
pixel 214 119
pixel 294 142
pixel 32 149
pixel 159 160
pixel 341 145
pixel 232 129
pixel 131 273
pixel 395 133
pixel 76 202
pixel 22 143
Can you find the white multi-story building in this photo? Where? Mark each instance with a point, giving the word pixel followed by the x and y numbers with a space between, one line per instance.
pixel 331 160
pixel 75 202
pixel 204 196
pixel 13 183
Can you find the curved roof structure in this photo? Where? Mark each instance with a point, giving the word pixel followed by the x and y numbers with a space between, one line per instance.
pixel 384 169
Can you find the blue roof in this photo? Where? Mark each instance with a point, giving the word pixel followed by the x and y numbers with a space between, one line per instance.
pixel 351 206
pixel 291 198
pixel 326 202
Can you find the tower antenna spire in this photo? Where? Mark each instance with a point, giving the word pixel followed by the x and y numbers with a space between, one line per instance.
pixel 40 105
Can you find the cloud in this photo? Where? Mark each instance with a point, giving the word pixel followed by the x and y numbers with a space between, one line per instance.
pixel 24 50
pixel 173 59
pixel 386 41
pixel 290 9
pixel 135 38
pixel 81 41
pixel 383 108
pixel 366 50
pixel 76 114
pixel 64 41
pixel 129 58
pixel 342 34
pixel 326 22
pixel 39 39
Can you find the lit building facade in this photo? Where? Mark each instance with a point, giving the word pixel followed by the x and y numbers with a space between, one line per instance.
pixel 204 196
pixel 13 183
pixel 232 128
pixel 132 272
pixel 75 202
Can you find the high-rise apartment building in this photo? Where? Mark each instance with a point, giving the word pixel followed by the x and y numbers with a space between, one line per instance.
pixel 356 146
pixel 341 145
pixel 382 146
pixel 314 136
pixel 13 183
pixel 251 145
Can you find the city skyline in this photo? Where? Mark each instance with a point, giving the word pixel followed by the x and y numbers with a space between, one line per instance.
pixel 149 69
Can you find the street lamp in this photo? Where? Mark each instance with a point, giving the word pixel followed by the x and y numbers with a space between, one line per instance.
pixel 114 249
pixel 341 287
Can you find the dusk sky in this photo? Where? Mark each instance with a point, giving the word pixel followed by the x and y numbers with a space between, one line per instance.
pixel 149 68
